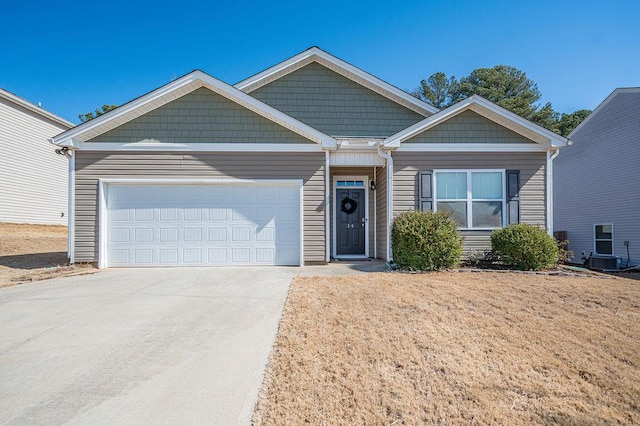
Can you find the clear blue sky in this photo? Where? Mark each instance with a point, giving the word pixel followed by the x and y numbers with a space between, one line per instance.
pixel 75 56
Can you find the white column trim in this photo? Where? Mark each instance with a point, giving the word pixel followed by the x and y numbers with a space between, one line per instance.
pixel 71 203
pixel 327 207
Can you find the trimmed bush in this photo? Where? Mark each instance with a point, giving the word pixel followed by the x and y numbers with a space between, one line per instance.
pixel 525 247
pixel 425 241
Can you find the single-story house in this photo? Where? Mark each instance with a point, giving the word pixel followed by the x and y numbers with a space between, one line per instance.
pixel 597 182
pixel 303 162
pixel 33 179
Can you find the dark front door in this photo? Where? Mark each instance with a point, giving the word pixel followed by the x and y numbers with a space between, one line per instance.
pixel 350 221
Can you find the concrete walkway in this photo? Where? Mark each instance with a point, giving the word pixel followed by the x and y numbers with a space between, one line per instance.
pixel 144 346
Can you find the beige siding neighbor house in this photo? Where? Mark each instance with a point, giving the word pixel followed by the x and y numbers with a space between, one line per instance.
pixel 33 179
pixel 302 163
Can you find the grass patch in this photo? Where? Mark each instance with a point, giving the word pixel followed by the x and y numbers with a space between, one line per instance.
pixel 456 348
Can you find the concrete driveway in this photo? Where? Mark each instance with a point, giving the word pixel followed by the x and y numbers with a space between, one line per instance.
pixel 143 346
pixel 153 346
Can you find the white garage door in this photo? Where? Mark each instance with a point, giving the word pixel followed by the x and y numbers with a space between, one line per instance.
pixel 203 225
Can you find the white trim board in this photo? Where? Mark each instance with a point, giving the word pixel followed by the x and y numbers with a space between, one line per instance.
pixel 103 187
pixel 198 147
pixel 471 147
pixel 365 180
pixel 488 110
pixel 315 54
pixel 180 87
pixel 71 207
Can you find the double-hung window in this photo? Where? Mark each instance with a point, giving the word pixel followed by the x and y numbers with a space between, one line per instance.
pixel 475 198
pixel 603 239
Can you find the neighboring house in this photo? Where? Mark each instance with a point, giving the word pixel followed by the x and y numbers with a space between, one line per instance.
pixel 597 181
pixel 33 179
pixel 305 161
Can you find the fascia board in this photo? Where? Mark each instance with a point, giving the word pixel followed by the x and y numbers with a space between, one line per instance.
pixel 555 138
pixel 217 86
pixel 395 140
pixel 473 147
pixel 198 147
pixel 339 63
pixel 113 115
pixel 35 109
pixel 269 112
pixel 291 62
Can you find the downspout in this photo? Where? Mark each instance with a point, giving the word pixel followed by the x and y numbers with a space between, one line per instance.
pixel 327 225
pixel 71 186
pixel 71 207
pixel 550 158
pixel 389 163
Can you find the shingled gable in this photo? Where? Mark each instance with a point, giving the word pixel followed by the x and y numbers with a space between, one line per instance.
pixel 545 139
pixel 77 137
pixel 317 55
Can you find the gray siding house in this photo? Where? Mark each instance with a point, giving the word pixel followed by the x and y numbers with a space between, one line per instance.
pixel 597 180
pixel 302 163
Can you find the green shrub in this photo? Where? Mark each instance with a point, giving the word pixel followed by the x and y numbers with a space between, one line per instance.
pixel 525 247
pixel 425 241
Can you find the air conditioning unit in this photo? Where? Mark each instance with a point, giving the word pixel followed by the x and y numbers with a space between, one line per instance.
pixel 601 262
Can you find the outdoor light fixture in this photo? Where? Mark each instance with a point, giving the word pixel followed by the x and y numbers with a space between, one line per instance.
pixel 372 185
pixel 62 151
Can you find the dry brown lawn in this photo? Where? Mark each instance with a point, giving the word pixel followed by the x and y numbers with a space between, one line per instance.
pixel 456 348
pixel 34 252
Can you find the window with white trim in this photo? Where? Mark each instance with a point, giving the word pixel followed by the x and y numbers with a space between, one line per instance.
pixel 475 198
pixel 603 238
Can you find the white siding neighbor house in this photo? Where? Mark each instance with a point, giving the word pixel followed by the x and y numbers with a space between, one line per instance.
pixel 597 181
pixel 33 178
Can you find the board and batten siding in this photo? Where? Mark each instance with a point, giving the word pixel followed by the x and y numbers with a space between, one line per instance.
pixel 468 127
pixel 33 178
pixel 597 179
pixel 201 116
pixel 93 165
pixel 531 165
pixel 334 104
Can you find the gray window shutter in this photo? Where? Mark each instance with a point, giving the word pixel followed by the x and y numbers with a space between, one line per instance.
pixel 425 191
pixel 513 196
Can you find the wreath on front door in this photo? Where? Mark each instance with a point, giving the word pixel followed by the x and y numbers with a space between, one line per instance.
pixel 348 205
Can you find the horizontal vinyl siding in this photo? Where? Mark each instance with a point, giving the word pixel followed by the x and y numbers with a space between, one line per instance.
pixel 201 116
pixel 468 127
pixel 532 183
pixel 381 198
pixel 597 179
pixel 335 104
pixel 33 178
pixel 91 166
pixel 354 171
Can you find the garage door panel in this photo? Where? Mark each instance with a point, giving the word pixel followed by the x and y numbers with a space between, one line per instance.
pixel 218 213
pixel 169 235
pixel 168 256
pixel 217 256
pixel 252 225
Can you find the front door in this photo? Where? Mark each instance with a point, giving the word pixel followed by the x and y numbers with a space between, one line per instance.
pixel 350 221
